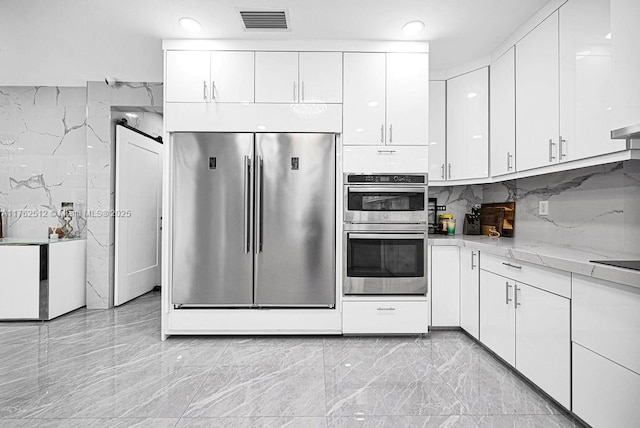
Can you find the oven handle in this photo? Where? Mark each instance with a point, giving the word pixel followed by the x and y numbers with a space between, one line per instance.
pixel 386 235
pixel 366 189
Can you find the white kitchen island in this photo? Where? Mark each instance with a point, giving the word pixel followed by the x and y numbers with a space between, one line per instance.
pixel 41 279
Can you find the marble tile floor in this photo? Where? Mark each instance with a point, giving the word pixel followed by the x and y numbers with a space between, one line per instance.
pixel 110 369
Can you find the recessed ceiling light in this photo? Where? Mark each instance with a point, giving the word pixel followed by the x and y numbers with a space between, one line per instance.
pixel 472 94
pixel 131 115
pixel 412 28
pixel 372 104
pixel 477 137
pixel 359 129
pixel 261 127
pixel 608 36
pixel 190 24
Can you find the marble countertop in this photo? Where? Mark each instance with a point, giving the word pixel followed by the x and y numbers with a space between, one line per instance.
pixel 565 258
pixel 34 241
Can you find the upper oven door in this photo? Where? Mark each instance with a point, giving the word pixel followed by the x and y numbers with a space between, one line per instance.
pixel 385 204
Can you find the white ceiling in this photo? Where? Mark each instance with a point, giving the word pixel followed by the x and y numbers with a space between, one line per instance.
pixel 69 42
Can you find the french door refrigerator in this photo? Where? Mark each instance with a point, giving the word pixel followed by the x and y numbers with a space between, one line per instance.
pixel 253 220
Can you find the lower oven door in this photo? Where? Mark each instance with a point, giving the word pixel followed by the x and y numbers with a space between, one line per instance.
pixel 385 263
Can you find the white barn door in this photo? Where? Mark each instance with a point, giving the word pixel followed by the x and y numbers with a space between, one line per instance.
pixel 138 205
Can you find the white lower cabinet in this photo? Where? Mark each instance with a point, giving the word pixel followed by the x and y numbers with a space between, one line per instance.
pixel 529 328
pixel 497 315
pixel 543 340
pixel 605 394
pixel 470 291
pixel 384 317
pixel 445 286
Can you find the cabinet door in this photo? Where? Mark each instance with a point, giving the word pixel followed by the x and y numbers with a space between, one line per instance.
pixel 437 129
pixel 445 286
pixel 503 114
pixel 364 98
pixel 187 78
pixel 543 341
pixel 468 125
pixel 537 127
pixel 232 77
pixel 470 291
pixel 497 317
pixel 626 62
pixel 320 77
pixel 586 83
pixel 408 98
pixel 276 77
pixel 605 394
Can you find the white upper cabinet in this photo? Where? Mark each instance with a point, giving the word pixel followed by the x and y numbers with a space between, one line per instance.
pixel 537 110
pixel 320 77
pixel 407 98
pixel 468 125
pixel 625 34
pixel 276 77
pixel 586 82
pixel 395 82
pixel 437 129
pixel 364 98
pixel 503 114
pixel 187 76
pixel 232 76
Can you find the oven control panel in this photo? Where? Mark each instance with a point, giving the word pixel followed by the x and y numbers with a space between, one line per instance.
pixel 387 178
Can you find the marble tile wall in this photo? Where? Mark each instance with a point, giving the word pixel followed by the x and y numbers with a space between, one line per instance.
pixel 43 158
pixel 101 98
pixel 595 208
pixel 458 199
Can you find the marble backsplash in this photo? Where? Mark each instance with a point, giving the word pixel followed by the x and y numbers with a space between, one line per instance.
pixel 595 208
pixel 43 158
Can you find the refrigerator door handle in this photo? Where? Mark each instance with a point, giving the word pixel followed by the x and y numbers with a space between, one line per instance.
pixel 258 240
pixel 247 204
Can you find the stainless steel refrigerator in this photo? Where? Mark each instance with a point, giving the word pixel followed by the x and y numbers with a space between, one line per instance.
pixel 253 220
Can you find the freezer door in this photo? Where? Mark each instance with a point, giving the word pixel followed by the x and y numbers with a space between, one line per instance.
pixel 212 219
pixel 295 220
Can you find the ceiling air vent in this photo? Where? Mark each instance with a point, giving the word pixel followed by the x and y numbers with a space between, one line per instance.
pixel 265 20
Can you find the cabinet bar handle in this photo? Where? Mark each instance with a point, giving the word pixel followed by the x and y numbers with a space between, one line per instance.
pixel 515 296
pixel 449 171
pixel 294 91
pixel 513 266
pixel 562 147
pixel 204 89
pixel 473 254
pixel 509 157
pixel 386 151
pixel 442 167
pixel 551 156
pixel 391 133
pixel 213 90
pixel 382 134
pixel 302 88
pixel 386 309
pixel 507 292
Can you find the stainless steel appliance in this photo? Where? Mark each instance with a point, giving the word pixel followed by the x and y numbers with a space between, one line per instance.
pixel 385 259
pixel 253 220
pixel 385 237
pixel 385 198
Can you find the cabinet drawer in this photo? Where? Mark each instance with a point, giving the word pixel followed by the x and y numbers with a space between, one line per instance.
pixel 384 317
pixel 551 280
pixel 386 159
pixel 605 394
pixel 606 319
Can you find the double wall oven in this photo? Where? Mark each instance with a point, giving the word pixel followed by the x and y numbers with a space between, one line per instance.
pixel 385 234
